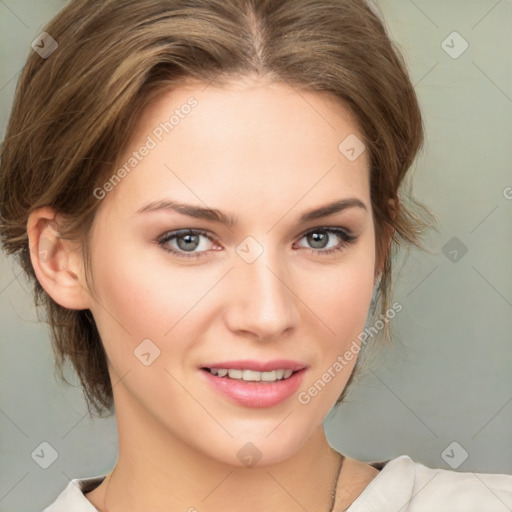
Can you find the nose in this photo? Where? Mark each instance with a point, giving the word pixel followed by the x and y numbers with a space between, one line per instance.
pixel 262 300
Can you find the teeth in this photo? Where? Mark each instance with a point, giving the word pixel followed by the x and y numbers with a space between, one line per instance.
pixel 235 374
pixel 269 376
pixel 251 375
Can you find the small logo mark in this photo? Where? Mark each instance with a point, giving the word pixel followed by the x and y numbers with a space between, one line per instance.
pixel 454 250
pixel 454 45
pixel 454 455
pixel 47 249
pixel 44 45
pixel 352 147
pixel 45 455
pixel 146 352
pixel 249 250
pixel 249 455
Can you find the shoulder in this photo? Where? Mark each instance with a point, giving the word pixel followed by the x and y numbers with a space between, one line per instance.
pixel 463 491
pixel 72 498
pixel 409 486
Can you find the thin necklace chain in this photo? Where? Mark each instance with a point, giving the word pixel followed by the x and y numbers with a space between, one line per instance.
pixel 335 486
pixel 333 491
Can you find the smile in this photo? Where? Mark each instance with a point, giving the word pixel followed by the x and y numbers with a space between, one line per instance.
pixel 251 375
pixel 252 388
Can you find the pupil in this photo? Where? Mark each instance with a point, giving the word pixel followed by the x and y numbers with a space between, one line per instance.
pixel 191 238
pixel 317 238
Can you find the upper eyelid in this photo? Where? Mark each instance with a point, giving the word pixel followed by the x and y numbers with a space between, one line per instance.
pixel 326 228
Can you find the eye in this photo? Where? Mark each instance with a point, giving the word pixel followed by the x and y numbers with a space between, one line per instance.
pixel 187 241
pixel 319 239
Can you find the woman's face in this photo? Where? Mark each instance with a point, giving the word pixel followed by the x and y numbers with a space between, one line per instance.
pixel 268 292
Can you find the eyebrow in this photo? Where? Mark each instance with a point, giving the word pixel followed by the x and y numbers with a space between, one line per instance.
pixel 215 215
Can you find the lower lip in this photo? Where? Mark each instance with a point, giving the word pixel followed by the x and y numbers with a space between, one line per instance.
pixel 256 394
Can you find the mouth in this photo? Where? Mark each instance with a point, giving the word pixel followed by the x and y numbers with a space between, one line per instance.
pixel 255 384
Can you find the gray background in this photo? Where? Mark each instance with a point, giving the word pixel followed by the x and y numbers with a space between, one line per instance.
pixel 449 376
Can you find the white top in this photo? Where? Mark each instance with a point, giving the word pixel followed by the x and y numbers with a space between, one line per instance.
pixel 401 486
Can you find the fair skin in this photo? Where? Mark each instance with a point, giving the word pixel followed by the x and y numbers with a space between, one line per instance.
pixel 264 154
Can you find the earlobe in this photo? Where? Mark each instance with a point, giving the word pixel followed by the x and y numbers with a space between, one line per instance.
pixel 56 262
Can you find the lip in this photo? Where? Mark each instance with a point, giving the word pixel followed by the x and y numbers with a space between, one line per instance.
pixel 258 366
pixel 255 394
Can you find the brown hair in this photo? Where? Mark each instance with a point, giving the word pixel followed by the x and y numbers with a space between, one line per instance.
pixel 74 112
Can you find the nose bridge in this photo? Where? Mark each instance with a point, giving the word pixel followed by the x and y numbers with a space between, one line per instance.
pixel 264 303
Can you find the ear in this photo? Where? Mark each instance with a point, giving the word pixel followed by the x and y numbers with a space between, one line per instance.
pixel 57 262
pixel 386 239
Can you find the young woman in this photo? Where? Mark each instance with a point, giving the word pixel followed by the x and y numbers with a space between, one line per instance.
pixel 206 195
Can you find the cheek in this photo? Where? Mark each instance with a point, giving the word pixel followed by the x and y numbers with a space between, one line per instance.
pixel 342 310
pixel 152 300
pixel 340 295
pixel 130 301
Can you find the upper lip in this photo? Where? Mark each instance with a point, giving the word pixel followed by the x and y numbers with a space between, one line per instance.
pixel 258 366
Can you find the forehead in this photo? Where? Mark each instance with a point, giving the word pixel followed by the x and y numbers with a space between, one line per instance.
pixel 244 140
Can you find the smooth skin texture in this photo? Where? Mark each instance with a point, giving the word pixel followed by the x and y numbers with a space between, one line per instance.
pixel 263 153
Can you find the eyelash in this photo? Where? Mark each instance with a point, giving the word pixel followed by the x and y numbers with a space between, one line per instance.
pixel 346 240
